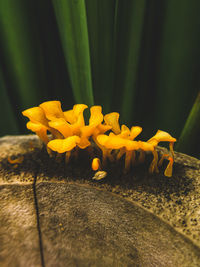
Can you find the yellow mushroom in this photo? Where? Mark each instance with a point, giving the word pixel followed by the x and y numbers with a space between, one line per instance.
pixel 94 128
pixel 38 122
pixel 112 119
pixel 96 164
pixel 169 168
pixel 39 129
pixel 62 126
pixel 69 131
pixel 96 117
pixel 78 118
pixel 106 153
pixel 52 110
pixel 125 132
pixel 144 146
pixel 116 142
pixel 130 134
pixel 131 147
pixel 63 145
pixel 135 131
pixel 69 116
pixel 76 113
pixel 36 115
pixel 162 136
pixel 154 164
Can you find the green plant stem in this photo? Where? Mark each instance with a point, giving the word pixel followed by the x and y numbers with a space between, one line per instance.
pixel 177 65
pixel 129 26
pixel 8 120
pixel 100 18
pixel 72 24
pixel 187 142
pixel 20 53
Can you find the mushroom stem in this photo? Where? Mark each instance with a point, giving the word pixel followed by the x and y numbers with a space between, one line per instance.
pixel 104 150
pixel 109 155
pixel 49 151
pixel 141 156
pixel 171 145
pixel 168 170
pixel 104 156
pixel 153 167
pixel 67 156
pixel 42 134
pixel 75 153
pixel 128 160
pixel 164 156
pixel 133 158
pixel 121 152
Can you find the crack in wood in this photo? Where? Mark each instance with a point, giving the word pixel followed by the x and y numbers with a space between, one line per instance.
pixel 38 221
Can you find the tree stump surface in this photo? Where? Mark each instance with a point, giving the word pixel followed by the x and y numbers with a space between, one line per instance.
pixel 53 214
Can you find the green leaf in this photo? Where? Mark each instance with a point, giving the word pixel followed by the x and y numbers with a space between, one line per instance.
pixel 147 74
pixel 20 53
pixel 7 116
pixel 101 17
pixel 72 24
pixel 177 76
pixel 189 139
pixel 57 77
pixel 129 26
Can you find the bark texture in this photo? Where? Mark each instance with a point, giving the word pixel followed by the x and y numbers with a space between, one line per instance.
pixel 53 214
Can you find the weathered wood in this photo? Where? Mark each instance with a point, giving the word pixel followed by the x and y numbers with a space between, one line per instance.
pixel 83 226
pixel 19 242
pixel 135 219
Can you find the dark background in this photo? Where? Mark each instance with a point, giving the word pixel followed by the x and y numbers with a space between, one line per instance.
pixel 140 58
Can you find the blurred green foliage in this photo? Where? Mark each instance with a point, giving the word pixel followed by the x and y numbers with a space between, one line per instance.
pixel 138 57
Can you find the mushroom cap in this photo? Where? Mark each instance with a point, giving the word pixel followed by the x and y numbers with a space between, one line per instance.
pixel 101 129
pixel 116 142
pixel 74 114
pixel 95 126
pixel 39 129
pixel 64 145
pixel 35 127
pixel 62 126
pixel 36 115
pixel 135 131
pixel 78 113
pixel 130 134
pixel 109 142
pixel 87 130
pixel 112 119
pixel 52 110
pixel 161 136
pixel 145 146
pixel 96 116
pixel 69 116
pixel 125 131
pixel 84 142
pixel 96 164
pixel 78 109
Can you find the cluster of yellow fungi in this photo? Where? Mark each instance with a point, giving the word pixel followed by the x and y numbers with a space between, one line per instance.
pixel 69 133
